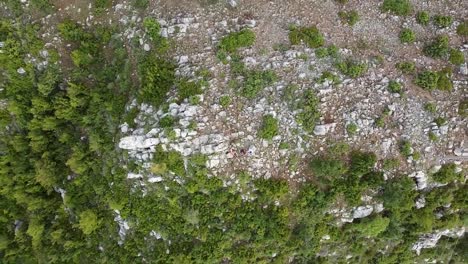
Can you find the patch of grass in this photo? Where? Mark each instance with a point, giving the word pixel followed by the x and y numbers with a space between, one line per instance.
pixel 406 67
pixel 442 21
pixel 326 75
pixel 380 122
pixel 142 4
pixel 407 36
pixel 463 108
pixel 456 57
pixel 444 82
pixel 236 40
pixel 440 121
pixel 394 87
pixel 289 92
pixel 281 47
pixel 330 51
pixel 255 81
pixel 167 121
pixel 225 100
pixel 188 89
pixel 310 113
pixel 269 128
pixel 462 29
pixel 390 164
pixel 405 148
pixel 438 48
pixel 311 36
pixel 432 136
pixel 283 145
pixel 427 80
pixel 397 7
pixel 350 17
pixel 430 107
pixel 422 17
pixel 351 129
pixel 352 68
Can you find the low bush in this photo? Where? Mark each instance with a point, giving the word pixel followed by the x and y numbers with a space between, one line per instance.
pixel 352 68
pixel 311 36
pixel 422 18
pixel 326 75
pixel 167 121
pixel 390 164
pixel 442 21
pixel 327 169
pixel 188 89
pixel 394 87
pixel 438 48
pixel 447 173
pixel 430 107
pixel 236 40
pixel 350 17
pixel 432 136
pixel 463 108
pixel 397 7
pixel 351 129
pixel 269 127
pixel 427 80
pixel 407 36
pixel 310 113
pixel 225 100
pixel 406 67
pixel 255 81
pixel 405 148
pixel 170 160
pixel 462 29
pixel 371 227
pixel 456 57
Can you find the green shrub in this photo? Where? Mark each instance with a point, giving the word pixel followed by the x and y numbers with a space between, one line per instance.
pixel 236 40
pixel 351 68
pixel 371 227
pixel 326 168
pixel 311 36
pixel 406 67
pixel 269 128
pixel 438 48
pixel 405 148
pixel 255 81
pixel 167 121
pixel 427 80
pixel 399 194
pixel 225 100
pixel 143 4
pixel 310 113
pixel 447 173
pixel 463 108
pixel 89 222
pixel 351 129
pixel 380 122
pixel 407 36
pixel 422 18
pixel 321 52
pixel 462 29
pixel 326 75
pixel 362 162
pixel 390 164
pixel 444 82
pixel 170 160
pixel 342 1
pixel 157 79
pixel 188 89
pixel 71 31
pixel 456 57
pixel 442 21
pixel 398 7
pixel 351 17
pixel 432 136
pixel 440 121
pixel 430 107
pixel 394 87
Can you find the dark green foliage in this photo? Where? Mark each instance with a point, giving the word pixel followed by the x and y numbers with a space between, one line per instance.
pixel 422 18
pixel 399 194
pixel 43 5
pixel 407 36
pixel 327 169
pixel 255 81
pixel 406 67
pixel 462 29
pixel 167 121
pixel 351 129
pixel 394 87
pixel 442 21
pixel 456 57
pixel 372 227
pixel 172 160
pixel 143 4
pixel 439 48
pixel 187 89
pixel 362 163
pixel 463 108
pixel 236 40
pixel 350 18
pixel 311 36
pixel 157 79
pixel 397 7
pixel 444 81
pixel 390 164
pixel 71 31
pixel 269 128
pixel 351 68
pixel 440 121
pixel 405 148
pixel 447 173
pixel 427 80
pixel 430 107
pixel 310 113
